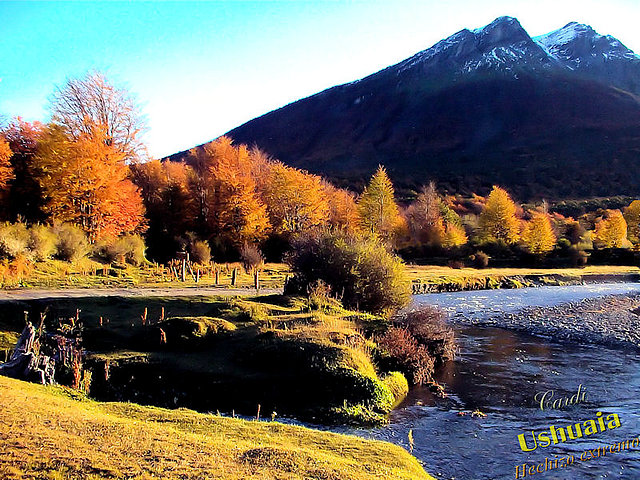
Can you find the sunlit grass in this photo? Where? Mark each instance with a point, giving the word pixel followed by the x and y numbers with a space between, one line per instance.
pixel 48 432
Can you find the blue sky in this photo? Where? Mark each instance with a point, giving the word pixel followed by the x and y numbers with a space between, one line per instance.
pixel 200 69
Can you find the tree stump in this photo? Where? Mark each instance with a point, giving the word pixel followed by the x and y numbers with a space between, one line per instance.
pixel 26 362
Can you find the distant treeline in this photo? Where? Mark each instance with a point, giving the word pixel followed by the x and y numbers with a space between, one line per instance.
pixel 88 168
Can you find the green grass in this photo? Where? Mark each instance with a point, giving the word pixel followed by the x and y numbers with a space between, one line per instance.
pixel 53 433
pixel 226 353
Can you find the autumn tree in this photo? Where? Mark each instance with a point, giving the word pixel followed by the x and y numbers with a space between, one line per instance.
pixel 85 183
pixel 424 219
pixel 632 217
pixel 25 197
pixel 6 170
pixel 538 236
pixel 236 210
pixel 169 202
pixel 498 221
pixel 343 209
pixel 81 104
pixel 611 231
pixel 379 213
pixel 296 200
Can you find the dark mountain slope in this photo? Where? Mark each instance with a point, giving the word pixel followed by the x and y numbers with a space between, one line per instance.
pixel 556 116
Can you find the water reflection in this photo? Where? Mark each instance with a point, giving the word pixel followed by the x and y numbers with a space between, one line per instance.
pixel 499 372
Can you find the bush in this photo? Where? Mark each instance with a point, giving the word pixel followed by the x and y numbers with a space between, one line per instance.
pixel 42 242
pixel 14 239
pixel 399 350
pixel 200 252
pixel 480 260
pixel 128 248
pixel 251 257
pixel 428 326
pixel 359 269
pixel 397 385
pixel 72 244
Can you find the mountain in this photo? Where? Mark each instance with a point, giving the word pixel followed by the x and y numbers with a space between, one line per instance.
pixel 553 116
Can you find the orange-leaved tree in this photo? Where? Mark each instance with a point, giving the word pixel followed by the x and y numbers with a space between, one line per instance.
pixel 85 183
pixel 235 208
pixel 296 200
pixel 6 171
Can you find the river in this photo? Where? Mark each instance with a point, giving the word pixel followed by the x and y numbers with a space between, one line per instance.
pixel 499 372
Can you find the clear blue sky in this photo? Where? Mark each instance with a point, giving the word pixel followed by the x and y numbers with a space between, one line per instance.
pixel 201 69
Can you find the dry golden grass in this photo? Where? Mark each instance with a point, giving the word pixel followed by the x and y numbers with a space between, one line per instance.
pixel 48 433
pixel 438 274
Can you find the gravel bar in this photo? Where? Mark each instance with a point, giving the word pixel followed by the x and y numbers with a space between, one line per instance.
pixel 612 320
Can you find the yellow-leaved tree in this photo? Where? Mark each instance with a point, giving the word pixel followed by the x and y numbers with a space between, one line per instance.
pixel 538 236
pixel 379 213
pixel 632 217
pixel 498 221
pixel 611 231
pixel 296 200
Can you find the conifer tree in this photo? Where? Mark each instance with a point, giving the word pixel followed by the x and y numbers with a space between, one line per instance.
pixel 538 236
pixel 379 213
pixel 498 221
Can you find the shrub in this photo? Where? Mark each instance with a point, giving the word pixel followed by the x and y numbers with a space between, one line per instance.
pixel 72 244
pixel 14 239
pixel 397 385
pixel 480 260
pixel 42 242
pixel 428 326
pixel 399 350
pixel 358 268
pixel 200 252
pixel 457 264
pixel 128 248
pixel 251 257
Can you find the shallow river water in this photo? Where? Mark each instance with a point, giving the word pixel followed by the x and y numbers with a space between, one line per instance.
pixel 499 372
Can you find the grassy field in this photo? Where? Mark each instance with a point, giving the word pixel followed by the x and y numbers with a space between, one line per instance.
pixel 471 278
pixel 288 355
pixel 90 274
pixel 51 433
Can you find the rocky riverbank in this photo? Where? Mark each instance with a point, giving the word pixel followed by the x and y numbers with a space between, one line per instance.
pixel 611 320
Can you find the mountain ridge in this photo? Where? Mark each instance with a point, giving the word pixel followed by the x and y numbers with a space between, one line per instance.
pixel 483 106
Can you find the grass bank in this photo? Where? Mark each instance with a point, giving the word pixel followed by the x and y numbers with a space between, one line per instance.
pixel 287 356
pixel 430 278
pixel 51 433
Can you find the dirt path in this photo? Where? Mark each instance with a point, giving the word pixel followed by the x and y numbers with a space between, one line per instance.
pixel 39 294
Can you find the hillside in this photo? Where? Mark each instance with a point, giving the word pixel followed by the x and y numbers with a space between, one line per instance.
pixel 541 116
pixel 49 432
